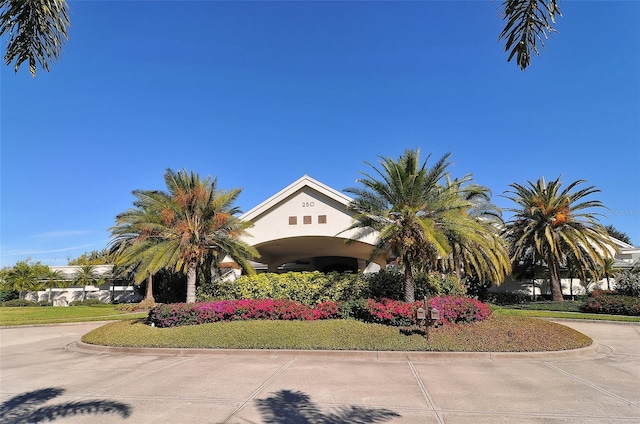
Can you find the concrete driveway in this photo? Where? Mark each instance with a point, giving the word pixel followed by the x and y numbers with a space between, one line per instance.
pixel 45 377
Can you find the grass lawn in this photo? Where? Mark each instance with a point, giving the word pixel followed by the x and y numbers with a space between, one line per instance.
pixel 542 313
pixel 497 334
pixel 55 315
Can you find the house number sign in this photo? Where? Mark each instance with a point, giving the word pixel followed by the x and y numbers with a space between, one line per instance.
pixel 308 204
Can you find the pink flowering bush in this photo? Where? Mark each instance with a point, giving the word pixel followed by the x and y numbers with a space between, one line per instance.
pixel 605 302
pixel 453 309
pixel 178 314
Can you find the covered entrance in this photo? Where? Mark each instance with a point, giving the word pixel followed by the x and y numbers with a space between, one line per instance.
pixel 301 228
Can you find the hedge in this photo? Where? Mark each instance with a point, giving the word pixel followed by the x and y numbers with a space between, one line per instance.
pixel 453 310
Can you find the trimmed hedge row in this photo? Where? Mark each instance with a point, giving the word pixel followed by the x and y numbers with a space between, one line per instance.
pixel 311 288
pixel 178 314
pixel 602 302
pixel 389 312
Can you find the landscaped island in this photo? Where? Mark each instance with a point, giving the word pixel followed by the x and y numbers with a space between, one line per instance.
pixel 465 325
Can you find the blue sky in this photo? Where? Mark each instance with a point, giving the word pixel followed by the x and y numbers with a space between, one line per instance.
pixel 261 93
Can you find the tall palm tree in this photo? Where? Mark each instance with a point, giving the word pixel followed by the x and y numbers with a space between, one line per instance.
pixel 52 278
pixel 419 220
pixel 607 271
pixel 555 225
pixel 36 29
pixel 477 248
pixel 25 276
pixel 86 276
pixel 178 228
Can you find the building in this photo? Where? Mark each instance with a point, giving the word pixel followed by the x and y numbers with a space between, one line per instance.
pixel 302 228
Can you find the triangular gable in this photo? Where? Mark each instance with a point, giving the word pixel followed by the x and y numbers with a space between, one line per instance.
pixel 296 186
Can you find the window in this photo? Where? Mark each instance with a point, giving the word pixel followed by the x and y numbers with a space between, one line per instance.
pixel 306 219
pixel 322 219
pixel 293 220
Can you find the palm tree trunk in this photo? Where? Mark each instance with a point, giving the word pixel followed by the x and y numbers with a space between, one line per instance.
pixel 554 276
pixel 191 283
pixel 608 285
pixel 571 287
pixel 149 295
pixel 409 284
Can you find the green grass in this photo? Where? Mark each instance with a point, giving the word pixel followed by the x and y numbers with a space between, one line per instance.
pixel 497 334
pixel 55 315
pixel 539 313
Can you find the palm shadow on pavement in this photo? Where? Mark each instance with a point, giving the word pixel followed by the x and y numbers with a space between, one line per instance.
pixel 295 407
pixel 29 407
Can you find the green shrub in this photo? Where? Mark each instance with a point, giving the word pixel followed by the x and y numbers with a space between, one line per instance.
pixel 478 289
pixel 308 288
pixel 18 303
pixel 628 283
pixel 603 303
pixel 389 284
pixel 86 302
pixel 449 284
pixel 385 284
pixel 510 298
pixel 6 295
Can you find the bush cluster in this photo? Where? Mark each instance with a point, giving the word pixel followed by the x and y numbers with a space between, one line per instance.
pixel 86 302
pixel 178 314
pixel 602 302
pixel 23 302
pixel 6 295
pixel 385 311
pixel 628 283
pixel 507 298
pixel 308 288
pixel 453 310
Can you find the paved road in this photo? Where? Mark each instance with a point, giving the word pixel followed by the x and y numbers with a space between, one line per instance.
pixel 44 378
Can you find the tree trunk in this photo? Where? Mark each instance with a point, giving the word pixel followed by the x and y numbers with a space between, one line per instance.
pixel 409 284
pixel 608 285
pixel 554 276
pixel 149 295
pixel 571 287
pixel 191 283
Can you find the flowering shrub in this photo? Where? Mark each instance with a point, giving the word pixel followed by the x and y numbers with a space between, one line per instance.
pixel 178 314
pixel 602 302
pixel 452 309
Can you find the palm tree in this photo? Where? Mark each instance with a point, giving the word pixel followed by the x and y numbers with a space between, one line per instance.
pixel 527 23
pixel 37 31
pixel 555 226
pixel 52 278
pixel 418 219
pixel 85 276
pixel 180 227
pixel 25 276
pixel 606 270
pixel 477 247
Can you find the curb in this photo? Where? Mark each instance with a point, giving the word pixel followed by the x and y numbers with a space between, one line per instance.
pixel 388 356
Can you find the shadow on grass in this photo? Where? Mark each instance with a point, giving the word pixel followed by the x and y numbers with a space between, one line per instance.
pixel 412 331
pixel 294 407
pixel 28 407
